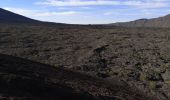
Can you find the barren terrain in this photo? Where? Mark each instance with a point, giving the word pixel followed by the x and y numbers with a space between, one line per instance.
pixel 139 56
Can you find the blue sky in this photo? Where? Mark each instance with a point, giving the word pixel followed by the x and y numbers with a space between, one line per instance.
pixel 88 11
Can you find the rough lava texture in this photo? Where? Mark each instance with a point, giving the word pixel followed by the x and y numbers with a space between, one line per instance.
pixel 138 56
pixel 21 79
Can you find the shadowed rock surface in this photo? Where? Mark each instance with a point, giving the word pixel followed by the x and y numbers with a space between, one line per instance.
pixel 21 79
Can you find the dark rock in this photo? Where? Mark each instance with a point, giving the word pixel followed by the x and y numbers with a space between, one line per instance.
pixel 21 79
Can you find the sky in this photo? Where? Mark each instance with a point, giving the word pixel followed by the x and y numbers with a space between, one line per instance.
pixel 88 11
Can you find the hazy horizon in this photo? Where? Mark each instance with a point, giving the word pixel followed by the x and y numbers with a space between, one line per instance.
pixel 88 11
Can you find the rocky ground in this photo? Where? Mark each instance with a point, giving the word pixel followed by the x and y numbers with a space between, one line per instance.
pixel 21 79
pixel 139 56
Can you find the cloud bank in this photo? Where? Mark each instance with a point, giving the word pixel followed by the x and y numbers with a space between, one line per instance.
pixel 134 3
pixel 91 11
pixel 38 13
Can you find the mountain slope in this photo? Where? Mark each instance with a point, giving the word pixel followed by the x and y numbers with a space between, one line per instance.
pixel 10 17
pixel 155 22
pixel 21 79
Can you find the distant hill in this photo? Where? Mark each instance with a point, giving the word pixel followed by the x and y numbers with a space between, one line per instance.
pixel 10 17
pixel 155 22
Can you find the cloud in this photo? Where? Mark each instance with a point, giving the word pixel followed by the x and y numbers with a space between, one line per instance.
pixel 21 11
pixel 66 13
pixel 94 11
pixel 135 3
pixel 142 13
pixel 39 13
